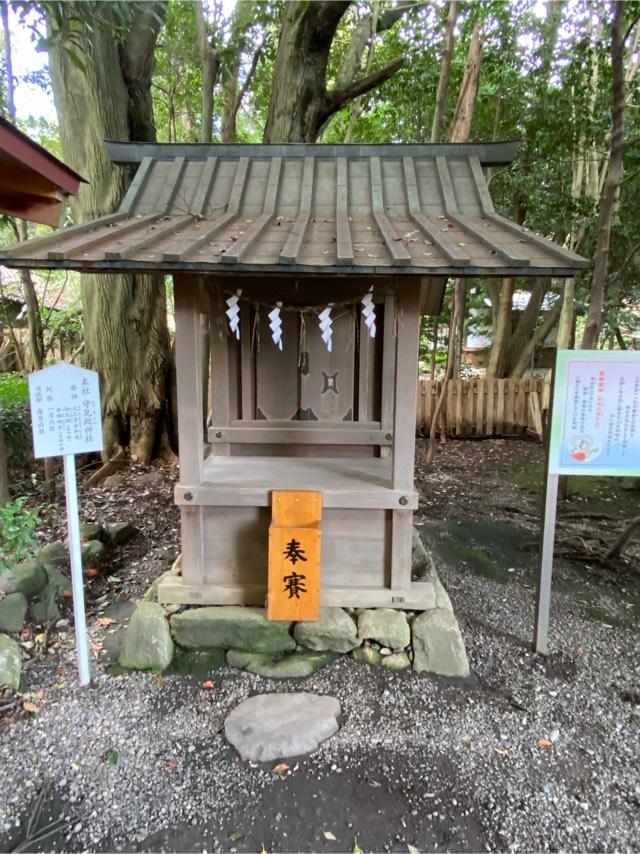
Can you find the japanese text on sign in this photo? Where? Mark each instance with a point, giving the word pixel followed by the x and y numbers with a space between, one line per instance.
pixel 65 411
pixel 596 427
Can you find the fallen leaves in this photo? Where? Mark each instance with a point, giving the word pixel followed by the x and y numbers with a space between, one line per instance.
pixel 329 836
pixel 544 742
pixel 30 707
pixel 171 763
pixel 281 768
pixel 208 685
pixel 105 621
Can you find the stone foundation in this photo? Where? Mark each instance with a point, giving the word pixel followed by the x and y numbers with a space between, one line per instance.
pixel 428 641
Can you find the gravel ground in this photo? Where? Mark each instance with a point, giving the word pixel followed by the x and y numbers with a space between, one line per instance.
pixel 529 754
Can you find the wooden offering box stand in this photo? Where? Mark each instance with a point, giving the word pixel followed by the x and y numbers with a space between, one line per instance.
pixel 301 228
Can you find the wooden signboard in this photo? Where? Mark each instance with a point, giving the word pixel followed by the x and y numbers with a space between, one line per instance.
pixel 294 556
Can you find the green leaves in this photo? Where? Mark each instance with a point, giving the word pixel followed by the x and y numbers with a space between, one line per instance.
pixel 17 527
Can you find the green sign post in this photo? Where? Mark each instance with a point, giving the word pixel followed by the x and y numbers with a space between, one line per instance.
pixel 594 429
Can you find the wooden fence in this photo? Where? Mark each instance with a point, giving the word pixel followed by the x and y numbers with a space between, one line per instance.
pixel 483 407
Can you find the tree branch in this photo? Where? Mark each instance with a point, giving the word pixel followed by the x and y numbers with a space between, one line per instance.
pixel 337 98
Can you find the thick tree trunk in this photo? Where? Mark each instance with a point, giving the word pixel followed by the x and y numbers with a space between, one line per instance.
pixel 612 180
pixel 565 324
pixel 502 330
pixel 526 356
pixel 300 103
pixel 126 336
pixel 526 324
pixel 445 67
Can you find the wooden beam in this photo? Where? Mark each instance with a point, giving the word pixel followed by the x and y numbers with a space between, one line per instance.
pixel 290 435
pixel 233 208
pixel 344 246
pixel 204 187
pixel 486 202
pixel 176 590
pixel 171 184
pixel 137 185
pixel 398 252
pixel 244 242
pixel 447 247
pixel 120 230
pixel 510 256
pixel 168 230
pixel 57 236
pixel 538 240
pixel 291 248
pixel 190 404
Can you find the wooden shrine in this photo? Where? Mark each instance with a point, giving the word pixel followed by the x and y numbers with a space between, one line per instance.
pixel 247 230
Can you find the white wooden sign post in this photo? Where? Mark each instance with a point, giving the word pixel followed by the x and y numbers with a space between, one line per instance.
pixel 594 430
pixel 66 420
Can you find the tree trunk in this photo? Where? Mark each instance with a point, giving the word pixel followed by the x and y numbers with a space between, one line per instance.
pixel 210 65
pixel 502 331
pixel 356 106
pixel 565 324
pixel 535 340
pixel 612 180
pixel 463 116
pixel 443 392
pixel 300 103
pixel 527 323
pixel 126 336
pixel 445 67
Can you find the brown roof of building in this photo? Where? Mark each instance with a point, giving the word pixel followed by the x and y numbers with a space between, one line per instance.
pixel 33 182
pixel 374 209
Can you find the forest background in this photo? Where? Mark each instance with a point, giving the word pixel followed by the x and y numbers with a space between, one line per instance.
pixel 560 76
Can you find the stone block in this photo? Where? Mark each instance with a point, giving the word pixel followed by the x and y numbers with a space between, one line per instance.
pixel 281 726
pixel 334 631
pixel 295 666
pixel 438 646
pixel 27 577
pixel 10 663
pixel 231 627
pixel 386 626
pixel 147 642
pixel 13 611
pixel 397 661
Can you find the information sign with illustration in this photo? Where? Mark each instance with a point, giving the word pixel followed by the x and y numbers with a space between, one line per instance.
pixel 596 413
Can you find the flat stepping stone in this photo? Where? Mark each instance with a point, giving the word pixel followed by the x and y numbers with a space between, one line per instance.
pixel 281 726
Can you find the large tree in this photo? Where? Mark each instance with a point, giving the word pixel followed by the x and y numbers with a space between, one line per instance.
pixel 101 77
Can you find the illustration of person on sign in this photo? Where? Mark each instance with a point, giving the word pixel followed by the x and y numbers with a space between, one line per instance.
pixel 582 449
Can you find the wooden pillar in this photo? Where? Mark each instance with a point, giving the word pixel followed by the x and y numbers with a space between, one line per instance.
pixel 404 421
pixel 219 369
pixel 187 295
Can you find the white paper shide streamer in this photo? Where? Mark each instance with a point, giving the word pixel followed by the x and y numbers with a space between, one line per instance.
pixel 275 325
pixel 233 313
pixel 369 312
pixel 326 326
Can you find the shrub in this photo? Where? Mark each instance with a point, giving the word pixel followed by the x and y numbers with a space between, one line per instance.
pixel 17 527
pixel 15 417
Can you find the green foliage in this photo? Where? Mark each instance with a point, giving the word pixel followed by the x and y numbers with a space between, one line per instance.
pixel 15 417
pixel 17 527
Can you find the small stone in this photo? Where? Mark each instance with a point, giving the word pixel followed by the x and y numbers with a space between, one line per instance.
pixel 266 727
pixel 120 533
pixel 26 577
pixel 94 554
pixel 45 607
pixel 60 583
pixel 397 661
pixel 54 554
pixel 437 644
pixel 385 651
pixel 231 627
pixel 367 655
pixel 147 643
pixel 113 481
pixel 421 560
pixel 10 663
pixel 385 625
pixel 294 666
pixel 91 531
pixel 13 610
pixel 334 630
